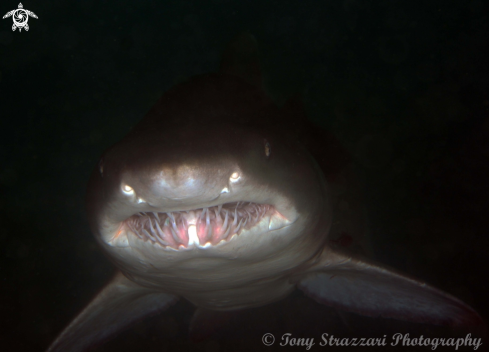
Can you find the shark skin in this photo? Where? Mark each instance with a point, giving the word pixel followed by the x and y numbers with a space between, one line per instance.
pixel 221 198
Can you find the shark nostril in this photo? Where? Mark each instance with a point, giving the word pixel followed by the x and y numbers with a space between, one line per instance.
pixel 203 227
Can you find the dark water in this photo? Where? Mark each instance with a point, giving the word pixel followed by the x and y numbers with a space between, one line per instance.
pixel 403 84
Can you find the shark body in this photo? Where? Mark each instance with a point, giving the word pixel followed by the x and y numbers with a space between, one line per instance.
pixel 213 197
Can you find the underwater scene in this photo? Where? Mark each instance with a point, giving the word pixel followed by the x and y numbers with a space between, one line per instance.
pixel 232 175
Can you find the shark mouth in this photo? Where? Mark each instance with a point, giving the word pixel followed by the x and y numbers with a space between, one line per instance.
pixel 202 227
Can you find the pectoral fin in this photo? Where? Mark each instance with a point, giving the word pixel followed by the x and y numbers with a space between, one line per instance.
pixel 368 289
pixel 119 304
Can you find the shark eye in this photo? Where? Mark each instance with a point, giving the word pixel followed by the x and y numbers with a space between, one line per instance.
pixel 268 148
pixel 127 189
pixel 234 177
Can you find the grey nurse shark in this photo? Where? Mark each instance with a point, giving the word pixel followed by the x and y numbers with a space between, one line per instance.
pixel 213 197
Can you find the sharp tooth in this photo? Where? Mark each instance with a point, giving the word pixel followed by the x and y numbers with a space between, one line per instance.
pixel 173 224
pixel 235 221
pixel 170 216
pixel 227 232
pixel 192 235
pixel 219 208
pixel 149 235
pixel 225 220
pixel 160 231
pixel 175 237
pixel 239 225
pixel 161 241
pixel 137 233
pixel 173 228
pixel 151 226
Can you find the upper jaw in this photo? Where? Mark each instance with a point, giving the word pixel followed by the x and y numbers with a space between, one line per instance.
pixel 205 227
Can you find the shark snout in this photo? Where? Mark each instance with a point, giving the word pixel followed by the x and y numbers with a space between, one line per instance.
pixel 182 185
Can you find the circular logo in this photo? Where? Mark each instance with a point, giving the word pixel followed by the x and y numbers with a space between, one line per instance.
pixel 20 17
pixel 268 339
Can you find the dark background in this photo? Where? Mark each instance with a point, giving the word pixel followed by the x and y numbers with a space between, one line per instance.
pixel 403 84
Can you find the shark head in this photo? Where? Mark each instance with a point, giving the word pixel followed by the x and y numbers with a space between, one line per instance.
pixel 199 188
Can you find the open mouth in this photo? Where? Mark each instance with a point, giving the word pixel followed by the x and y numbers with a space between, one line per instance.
pixel 203 227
